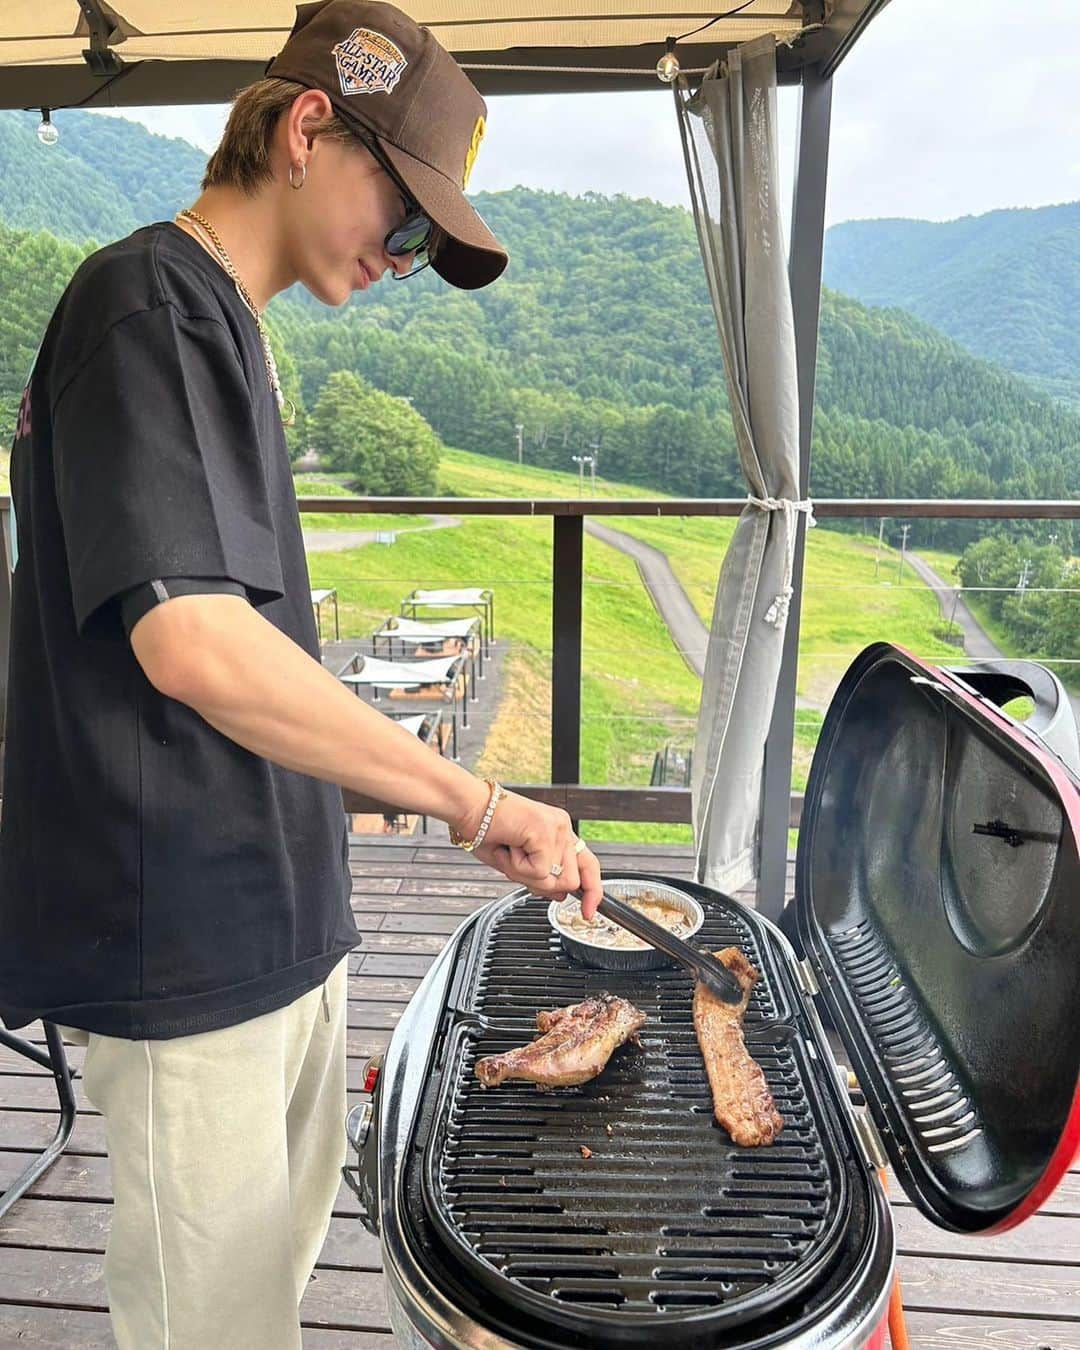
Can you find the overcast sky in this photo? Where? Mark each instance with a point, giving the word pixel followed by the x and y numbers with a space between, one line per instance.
pixel 945 108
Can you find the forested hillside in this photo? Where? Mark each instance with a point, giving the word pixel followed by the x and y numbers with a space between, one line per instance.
pixel 600 338
pixel 1005 284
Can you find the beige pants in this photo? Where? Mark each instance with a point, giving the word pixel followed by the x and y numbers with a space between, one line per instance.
pixel 225 1150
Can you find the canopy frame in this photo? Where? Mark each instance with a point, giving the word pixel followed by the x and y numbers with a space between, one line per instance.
pixel 103 59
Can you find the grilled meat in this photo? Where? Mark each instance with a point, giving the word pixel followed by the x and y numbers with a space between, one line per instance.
pixel 742 1101
pixel 574 1046
pixel 546 1020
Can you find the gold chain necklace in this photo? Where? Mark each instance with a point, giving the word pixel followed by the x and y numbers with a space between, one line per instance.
pixel 204 227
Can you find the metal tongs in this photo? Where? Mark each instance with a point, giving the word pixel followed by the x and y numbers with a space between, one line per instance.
pixel 703 966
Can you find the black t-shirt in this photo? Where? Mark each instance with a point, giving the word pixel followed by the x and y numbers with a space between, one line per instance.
pixel 156 879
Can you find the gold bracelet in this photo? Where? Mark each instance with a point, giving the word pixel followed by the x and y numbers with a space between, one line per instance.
pixel 470 845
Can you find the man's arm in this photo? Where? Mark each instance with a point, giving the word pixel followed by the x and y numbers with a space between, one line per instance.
pixel 220 657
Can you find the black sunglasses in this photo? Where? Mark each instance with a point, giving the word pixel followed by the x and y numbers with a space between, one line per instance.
pixel 417 233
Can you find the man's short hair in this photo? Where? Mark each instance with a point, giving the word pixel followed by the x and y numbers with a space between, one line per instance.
pixel 242 160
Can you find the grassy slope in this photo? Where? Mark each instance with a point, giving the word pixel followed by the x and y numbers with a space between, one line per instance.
pixel 637 693
pixel 629 701
pixel 464 474
pixel 848 600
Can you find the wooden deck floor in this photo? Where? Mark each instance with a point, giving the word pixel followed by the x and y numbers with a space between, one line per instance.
pixel 1021 1290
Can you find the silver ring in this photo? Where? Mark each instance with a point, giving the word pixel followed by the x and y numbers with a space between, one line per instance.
pixel 580 847
pixel 556 869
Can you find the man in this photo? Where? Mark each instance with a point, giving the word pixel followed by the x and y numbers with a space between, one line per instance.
pixel 173 854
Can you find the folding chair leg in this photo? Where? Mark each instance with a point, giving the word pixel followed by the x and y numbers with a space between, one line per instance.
pixel 56 1061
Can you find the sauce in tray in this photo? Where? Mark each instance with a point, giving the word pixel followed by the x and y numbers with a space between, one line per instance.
pixel 601 932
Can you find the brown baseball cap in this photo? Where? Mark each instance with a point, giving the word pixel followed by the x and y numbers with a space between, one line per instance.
pixel 388 77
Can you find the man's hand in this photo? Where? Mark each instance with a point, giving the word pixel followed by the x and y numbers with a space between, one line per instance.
pixel 526 839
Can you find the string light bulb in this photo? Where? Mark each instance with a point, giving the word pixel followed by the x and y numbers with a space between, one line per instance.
pixel 667 68
pixel 47 134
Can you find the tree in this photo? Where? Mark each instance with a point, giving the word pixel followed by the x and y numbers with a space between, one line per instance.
pixel 386 447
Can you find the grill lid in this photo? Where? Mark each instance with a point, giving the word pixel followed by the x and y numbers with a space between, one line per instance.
pixel 938 897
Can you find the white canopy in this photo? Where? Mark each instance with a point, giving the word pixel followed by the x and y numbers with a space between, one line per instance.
pixel 414 724
pixel 437 599
pixel 428 630
pixel 402 674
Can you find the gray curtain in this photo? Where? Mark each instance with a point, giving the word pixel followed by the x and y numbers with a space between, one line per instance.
pixel 729 138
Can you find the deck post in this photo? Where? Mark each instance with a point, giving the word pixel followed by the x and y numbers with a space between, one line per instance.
pixel 804 271
pixel 568 542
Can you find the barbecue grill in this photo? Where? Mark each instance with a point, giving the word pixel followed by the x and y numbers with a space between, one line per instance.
pixel 937 929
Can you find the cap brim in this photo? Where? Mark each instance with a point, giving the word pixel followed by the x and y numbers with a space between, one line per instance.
pixel 469 255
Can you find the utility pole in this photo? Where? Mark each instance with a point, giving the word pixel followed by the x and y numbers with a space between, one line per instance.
pixel 1025 579
pixel 903 552
pixel 880 542
pixel 595 448
pixel 519 432
pixel 581 461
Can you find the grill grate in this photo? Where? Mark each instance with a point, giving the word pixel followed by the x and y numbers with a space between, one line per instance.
pixel 938 1108
pixel 667 1217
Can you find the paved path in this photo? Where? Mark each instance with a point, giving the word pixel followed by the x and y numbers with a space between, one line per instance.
pixel 326 541
pixel 689 634
pixel 977 644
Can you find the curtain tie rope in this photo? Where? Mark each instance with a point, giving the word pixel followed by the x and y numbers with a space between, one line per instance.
pixel 777 613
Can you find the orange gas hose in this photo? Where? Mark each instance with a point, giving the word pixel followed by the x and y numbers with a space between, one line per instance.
pixel 897 1326
pixel 898 1336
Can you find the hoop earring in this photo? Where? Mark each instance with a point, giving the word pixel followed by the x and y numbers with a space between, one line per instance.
pixel 303 176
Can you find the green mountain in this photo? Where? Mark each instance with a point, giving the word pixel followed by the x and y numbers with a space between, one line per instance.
pixel 599 339
pixel 103 178
pixel 1006 285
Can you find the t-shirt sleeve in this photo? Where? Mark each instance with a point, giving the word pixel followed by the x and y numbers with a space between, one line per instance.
pixel 140 600
pixel 158 465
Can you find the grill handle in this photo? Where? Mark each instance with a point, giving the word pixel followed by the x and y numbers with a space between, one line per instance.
pixel 713 974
